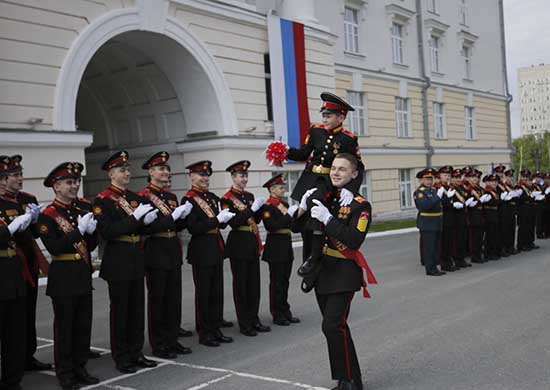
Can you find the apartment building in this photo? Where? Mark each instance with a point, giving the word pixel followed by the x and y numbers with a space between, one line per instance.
pixel 534 99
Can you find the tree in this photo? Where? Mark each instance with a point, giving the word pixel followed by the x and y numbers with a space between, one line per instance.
pixel 533 152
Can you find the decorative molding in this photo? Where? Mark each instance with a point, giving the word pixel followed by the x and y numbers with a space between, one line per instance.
pixel 454 150
pixel 370 151
pixel 153 14
pixel 223 143
pixel 435 26
pixel 33 138
pixel 398 13
pixel 466 38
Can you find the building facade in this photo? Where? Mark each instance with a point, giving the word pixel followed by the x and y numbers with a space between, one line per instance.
pixel 534 96
pixel 81 79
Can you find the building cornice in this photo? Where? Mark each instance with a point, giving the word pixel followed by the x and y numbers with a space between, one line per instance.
pixel 34 138
pixel 217 143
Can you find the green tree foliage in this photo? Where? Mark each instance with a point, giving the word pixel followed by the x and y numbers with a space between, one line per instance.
pixel 532 153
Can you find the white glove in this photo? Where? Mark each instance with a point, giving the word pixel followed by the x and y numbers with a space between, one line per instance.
pixel 485 198
pixel 320 212
pixel 458 205
pixel 510 196
pixel 547 191
pixel 440 192
pixel 519 192
pixel 292 210
pixel 141 210
pixel 92 225
pixel 303 201
pixel 346 197
pixel 534 194
pixel 19 223
pixel 34 210
pixel 540 197
pixel 258 202
pixel 469 202
pixel 83 222
pixel 150 217
pixel 225 216
pixel 504 195
pixel 182 211
pixel 188 207
pixel 451 193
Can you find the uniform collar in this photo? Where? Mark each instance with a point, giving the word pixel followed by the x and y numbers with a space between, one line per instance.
pixel 10 194
pixel 197 189
pixel 236 190
pixel 117 190
pixel 59 204
pixel 154 187
pixel 274 200
pixel 336 130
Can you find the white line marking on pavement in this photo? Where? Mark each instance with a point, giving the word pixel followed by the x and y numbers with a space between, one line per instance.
pixel 119 387
pixel 121 377
pixel 44 346
pixel 206 384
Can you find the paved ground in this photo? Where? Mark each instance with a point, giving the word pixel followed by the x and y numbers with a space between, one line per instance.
pixel 484 328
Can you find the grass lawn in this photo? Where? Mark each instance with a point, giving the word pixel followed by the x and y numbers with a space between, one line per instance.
pixel 392 225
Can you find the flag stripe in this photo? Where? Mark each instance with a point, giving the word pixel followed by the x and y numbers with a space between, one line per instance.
pixel 277 79
pixel 289 60
pixel 301 86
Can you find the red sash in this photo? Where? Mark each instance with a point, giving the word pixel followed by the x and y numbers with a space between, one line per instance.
pixel 208 211
pixel 251 221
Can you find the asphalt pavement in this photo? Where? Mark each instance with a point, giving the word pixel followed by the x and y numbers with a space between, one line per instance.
pixel 486 327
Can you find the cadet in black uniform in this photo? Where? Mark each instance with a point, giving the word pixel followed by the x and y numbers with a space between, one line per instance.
pixel 69 238
pixel 122 216
pixel 243 249
pixel 277 218
pixel 539 200
pixel 12 288
pixel 447 232
pixel 526 213
pixel 474 216
pixel 163 260
pixel 491 202
pixel 341 269
pixel 429 220
pixel 206 253
pixel 324 142
pixel 34 259
pixel 459 232
pixel 508 210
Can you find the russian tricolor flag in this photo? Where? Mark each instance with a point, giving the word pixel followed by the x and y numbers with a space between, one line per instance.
pixel 287 55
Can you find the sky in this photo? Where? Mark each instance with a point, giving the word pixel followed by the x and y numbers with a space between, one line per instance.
pixel 527 25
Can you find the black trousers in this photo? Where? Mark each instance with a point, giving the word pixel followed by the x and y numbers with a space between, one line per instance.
pixel 447 235
pixel 341 350
pixel 508 231
pixel 279 276
pixel 475 240
pixel 163 306
pixel 127 319
pixel 246 291
pixel 72 329
pixel 525 224
pixel 307 237
pixel 460 241
pixel 491 238
pixel 539 208
pixel 208 299
pixel 13 341
pixel 430 244
pixel 32 297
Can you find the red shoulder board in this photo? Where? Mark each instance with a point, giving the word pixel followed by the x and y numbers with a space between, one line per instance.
pixel 317 125
pixel 50 211
pixel 360 199
pixel 144 192
pixel 349 133
pixel 272 201
pixel 190 194
pixel 227 195
pixel 104 194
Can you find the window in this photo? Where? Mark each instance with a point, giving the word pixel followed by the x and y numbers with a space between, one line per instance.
pixel 434 52
pixel 364 189
pixel 432 6
pixel 291 180
pixel 397 43
pixel 463 12
pixel 467 55
pixel 469 123
pixel 351 30
pixel 405 188
pixel 268 93
pixel 402 117
pixel 357 118
pixel 439 121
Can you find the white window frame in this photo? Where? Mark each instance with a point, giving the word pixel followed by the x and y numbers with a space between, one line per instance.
pixel 463 12
pixel 435 53
pixel 405 188
pixel 351 30
pixel 403 117
pixel 432 6
pixel 440 125
pixel 365 190
pixel 397 30
pixel 467 56
pixel 358 119
pixel 470 123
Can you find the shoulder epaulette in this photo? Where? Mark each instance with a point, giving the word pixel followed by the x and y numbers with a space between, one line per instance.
pixel 144 192
pixel 349 133
pixel 190 194
pixel 227 195
pixel 104 194
pixel 360 199
pixel 49 210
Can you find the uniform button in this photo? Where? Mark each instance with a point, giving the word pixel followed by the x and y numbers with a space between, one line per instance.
pixel 330 137
pixel 326 146
pixel 329 141
pixel 324 153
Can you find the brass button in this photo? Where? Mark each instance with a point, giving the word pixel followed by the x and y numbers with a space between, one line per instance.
pixel 77 256
pixel 329 141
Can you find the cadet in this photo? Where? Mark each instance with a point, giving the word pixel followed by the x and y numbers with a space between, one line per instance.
pixel 206 253
pixel 13 292
pixel 508 210
pixel 243 249
pixel 163 260
pixel 447 233
pixel 539 200
pixel 122 216
pixel 340 274
pixel 323 142
pixel 278 253
pixel 429 220
pixel 474 216
pixel 70 238
pixel 526 213
pixel 34 259
pixel 490 201
pixel 459 232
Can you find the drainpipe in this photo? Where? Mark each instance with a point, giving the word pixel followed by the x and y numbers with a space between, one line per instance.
pixel 509 97
pixel 426 86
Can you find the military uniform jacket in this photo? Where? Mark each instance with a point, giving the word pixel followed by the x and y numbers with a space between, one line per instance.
pixel 241 244
pixel 525 202
pixel 161 250
pixel 12 284
pixel 491 208
pixel 507 207
pixel 430 214
pixel 121 260
pixel 461 196
pixel 475 214
pixel 319 149
pixel 66 277
pixel 206 247
pixel 277 221
pixel 447 205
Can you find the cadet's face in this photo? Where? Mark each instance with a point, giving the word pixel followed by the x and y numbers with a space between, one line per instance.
pixel 492 183
pixel 120 176
pixel 159 174
pixel 445 177
pixel 332 120
pixel 200 180
pixel 277 190
pixel 15 182
pixel 427 181
pixel 475 180
pixel 455 180
pixel 240 180
pixel 342 172
pixel 66 189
